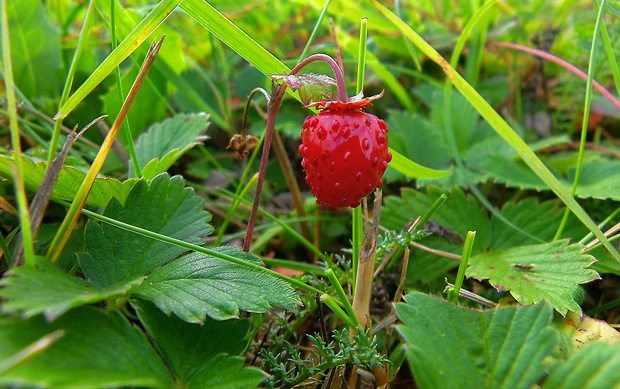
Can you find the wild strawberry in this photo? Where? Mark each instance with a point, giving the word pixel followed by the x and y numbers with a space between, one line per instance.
pixel 345 152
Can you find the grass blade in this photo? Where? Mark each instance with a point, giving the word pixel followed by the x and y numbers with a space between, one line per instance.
pixel 20 190
pixel 586 114
pixel 70 78
pixel 231 35
pixel 500 126
pixel 65 229
pixel 131 42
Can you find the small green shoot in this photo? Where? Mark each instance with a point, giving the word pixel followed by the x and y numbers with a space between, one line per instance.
pixel 329 273
pixel 453 294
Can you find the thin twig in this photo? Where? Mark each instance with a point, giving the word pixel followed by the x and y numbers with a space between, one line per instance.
pixel 472 296
pixel 609 233
pixel 41 199
pixel 441 253
pixel 565 64
pixel 22 107
pixel 116 145
pixel 65 229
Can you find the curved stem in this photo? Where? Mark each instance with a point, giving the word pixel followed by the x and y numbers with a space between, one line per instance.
pixel 241 190
pixel 274 105
pixel 246 109
pixel 341 93
pixel 565 64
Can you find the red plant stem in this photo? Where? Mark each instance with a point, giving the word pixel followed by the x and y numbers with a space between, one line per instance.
pixel 575 145
pixel 341 93
pixel 336 44
pixel 274 106
pixel 565 64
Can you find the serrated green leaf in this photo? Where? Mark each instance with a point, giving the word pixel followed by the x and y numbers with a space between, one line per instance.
pixel 96 350
pixel 164 206
pixel 196 285
pixel 549 271
pixel 189 348
pixel 511 172
pixel 418 138
pixel 599 180
pixel 163 143
pixel 539 219
pixel 595 366
pixel 69 181
pixel 455 347
pixel 223 372
pixel 46 289
pixel 67 260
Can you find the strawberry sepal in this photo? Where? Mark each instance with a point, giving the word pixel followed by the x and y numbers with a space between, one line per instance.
pixel 352 104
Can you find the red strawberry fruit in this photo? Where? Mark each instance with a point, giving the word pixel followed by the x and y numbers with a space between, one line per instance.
pixel 345 152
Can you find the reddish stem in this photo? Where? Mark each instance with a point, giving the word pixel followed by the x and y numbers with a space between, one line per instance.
pixel 341 93
pixel 565 64
pixel 274 105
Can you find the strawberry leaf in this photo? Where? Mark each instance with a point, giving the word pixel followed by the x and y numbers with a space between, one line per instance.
pixel 46 289
pixel 580 330
pixel 196 284
pixel 118 261
pixel 189 348
pixel 600 179
pixel 163 143
pixel 596 366
pixel 550 271
pixel 96 349
pixel 539 219
pixel 192 285
pixel 511 172
pixel 164 206
pixel 69 181
pixel 194 353
pixel 500 348
pixel 225 372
